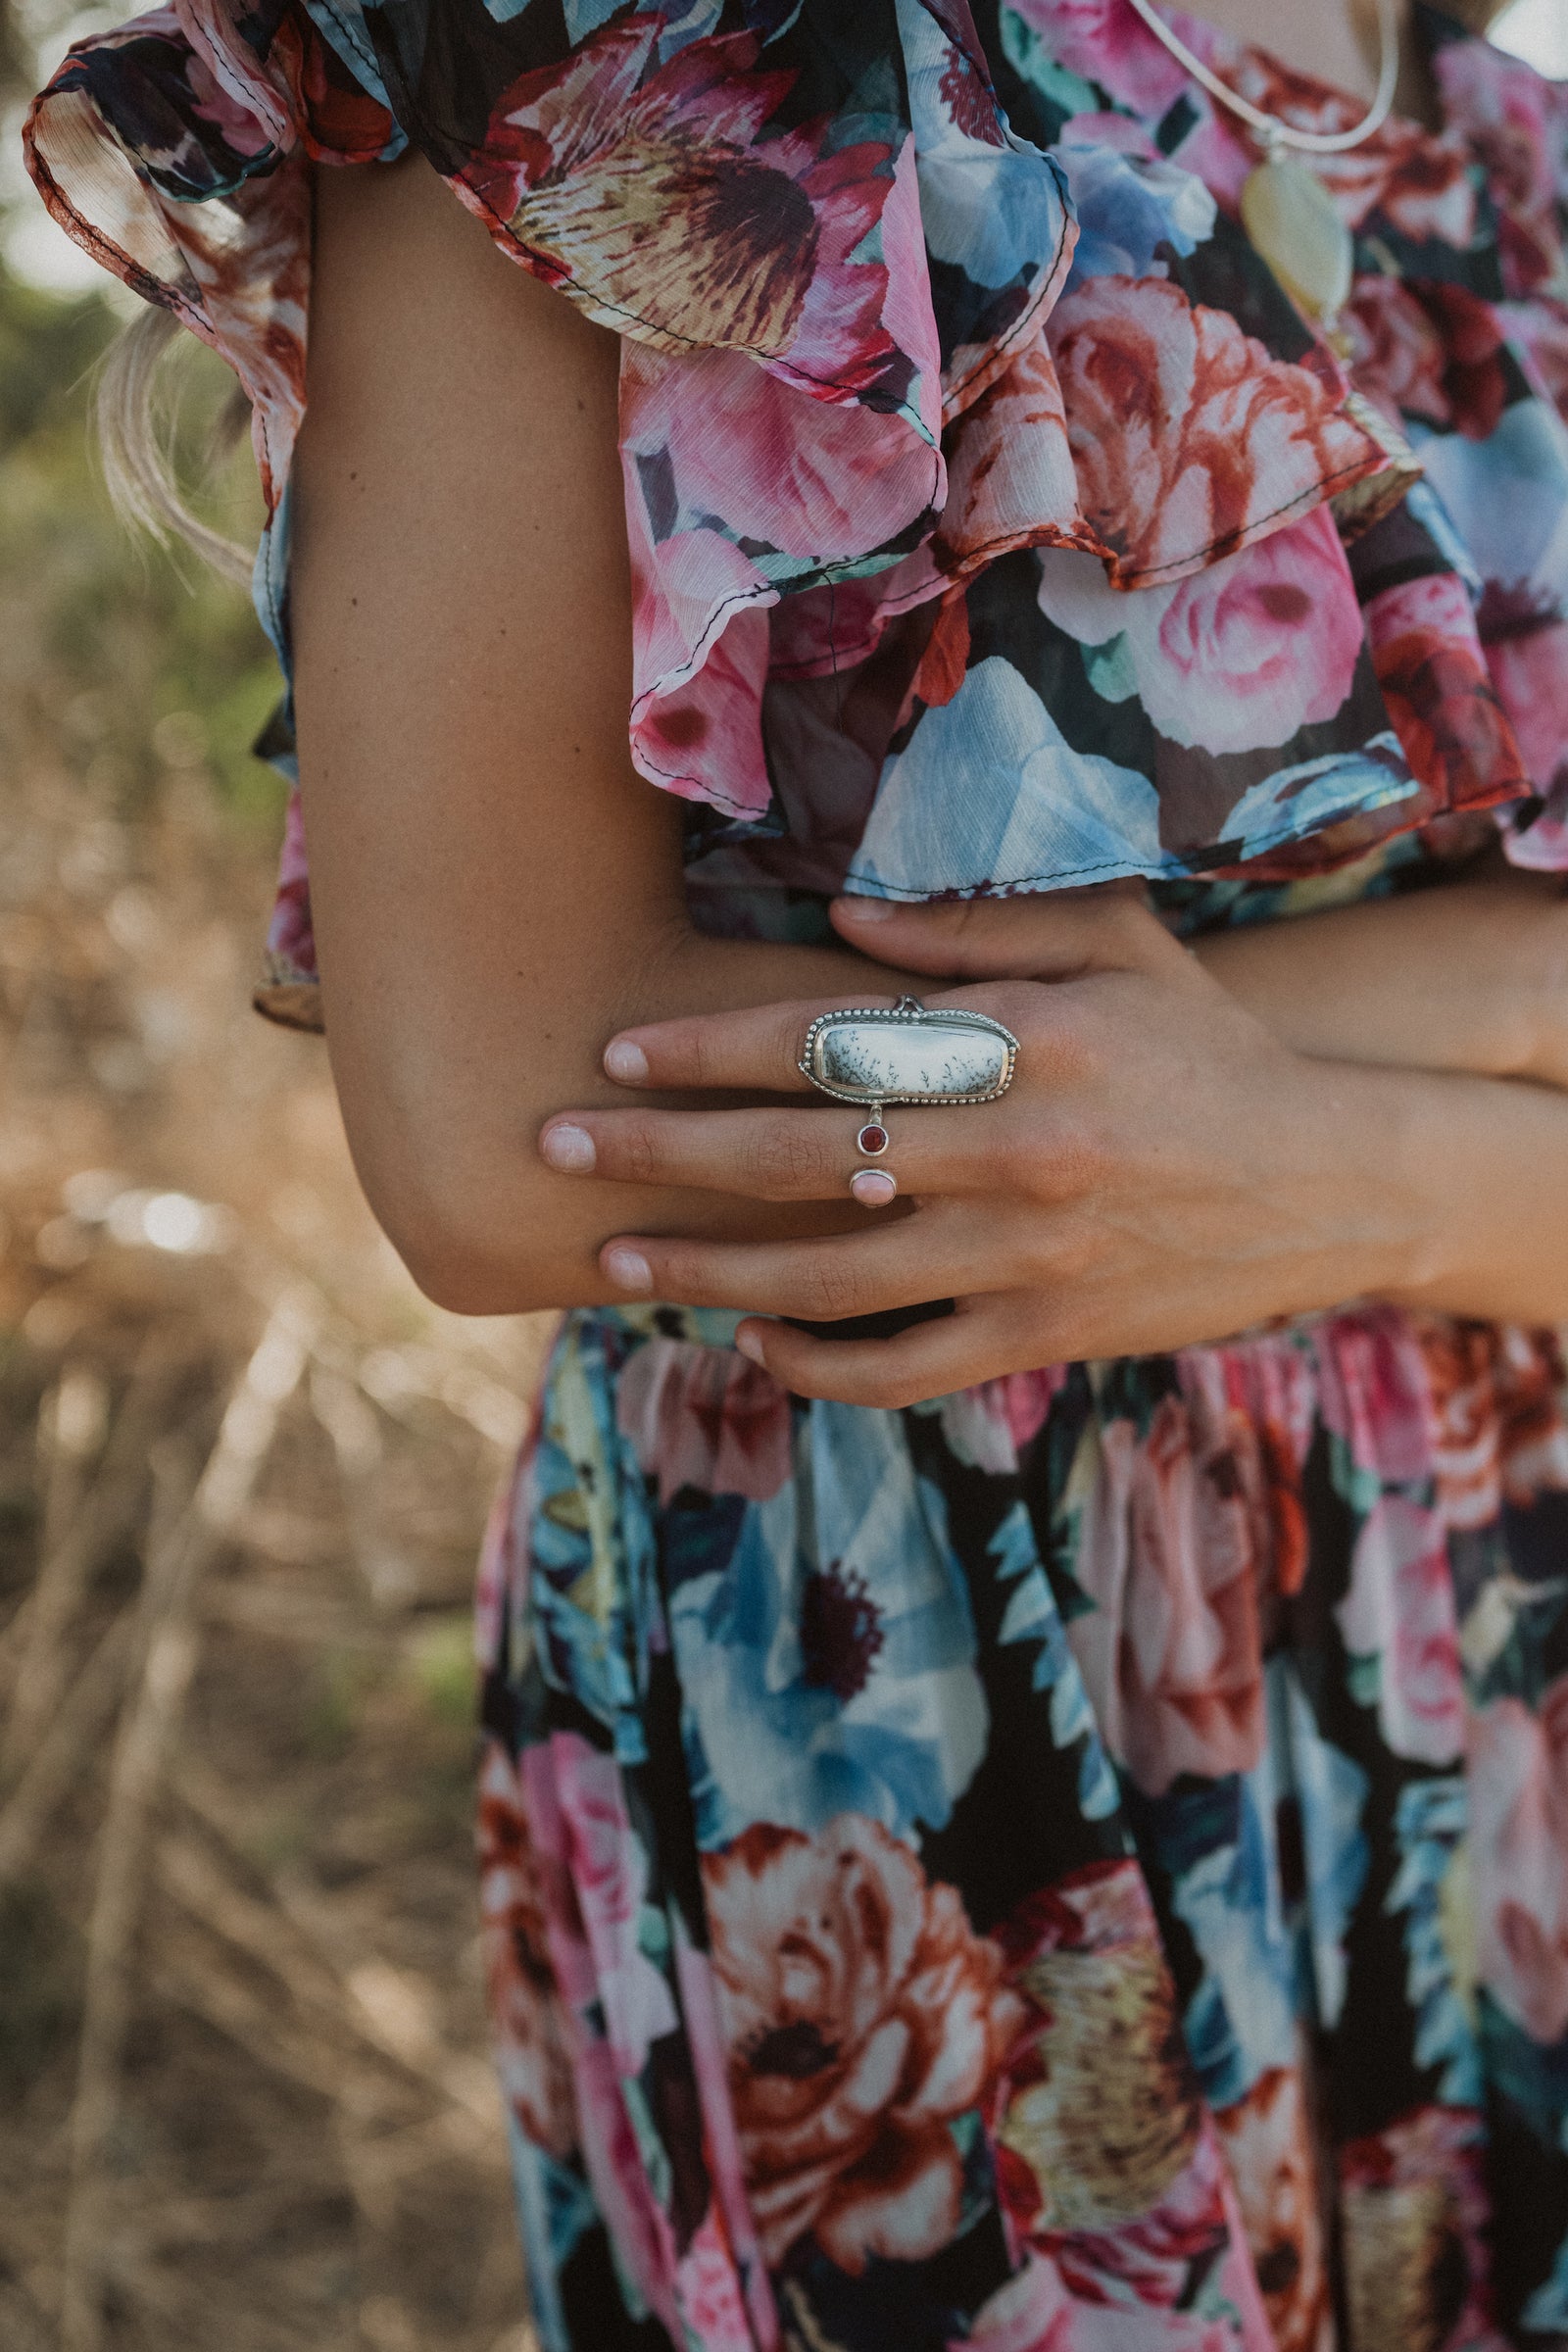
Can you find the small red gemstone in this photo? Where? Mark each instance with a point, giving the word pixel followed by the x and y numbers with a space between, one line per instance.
pixel 873 1139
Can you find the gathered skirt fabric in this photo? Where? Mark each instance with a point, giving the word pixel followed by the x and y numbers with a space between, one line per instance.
pixel 1078 1866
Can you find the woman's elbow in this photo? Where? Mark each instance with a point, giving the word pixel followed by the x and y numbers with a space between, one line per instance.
pixel 477 1239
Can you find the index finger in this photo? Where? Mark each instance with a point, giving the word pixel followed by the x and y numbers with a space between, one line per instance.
pixel 757 1047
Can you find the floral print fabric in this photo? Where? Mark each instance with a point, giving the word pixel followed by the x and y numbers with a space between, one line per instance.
pixel 1076 1867
pixel 1081 1866
pixel 997 523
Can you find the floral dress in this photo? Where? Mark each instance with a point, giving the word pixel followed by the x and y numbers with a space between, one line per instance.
pixel 1080 1865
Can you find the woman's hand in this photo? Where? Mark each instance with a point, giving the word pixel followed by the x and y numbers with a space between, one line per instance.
pixel 1162 1171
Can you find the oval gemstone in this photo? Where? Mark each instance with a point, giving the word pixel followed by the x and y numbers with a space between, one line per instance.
pixel 877 1059
pixel 873 1139
pixel 1293 222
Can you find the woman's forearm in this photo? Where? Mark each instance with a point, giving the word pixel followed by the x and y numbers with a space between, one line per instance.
pixel 1485 1163
pixel 1472 976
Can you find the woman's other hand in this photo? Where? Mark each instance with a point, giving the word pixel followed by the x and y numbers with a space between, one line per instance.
pixel 1162 1171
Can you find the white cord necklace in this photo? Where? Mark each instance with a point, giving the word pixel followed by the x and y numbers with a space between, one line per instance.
pixel 1288 216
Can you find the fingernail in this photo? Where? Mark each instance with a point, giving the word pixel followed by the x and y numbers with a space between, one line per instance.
pixel 874 1188
pixel 748 1341
pixel 868 911
pixel 628 1269
pixel 569 1148
pixel 625 1062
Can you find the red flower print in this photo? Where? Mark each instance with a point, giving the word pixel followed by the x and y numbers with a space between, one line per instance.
pixel 1099 2115
pixel 1412 2222
pixel 657 202
pixel 1267 2142
pixel 1517 123
pixel 862 2013
pixel 525 2002
pixel 1531 1384
pixel 1190 440
pixel 1431 351
pixel 1459 1360
pixel 1396 353
pixel 1445 710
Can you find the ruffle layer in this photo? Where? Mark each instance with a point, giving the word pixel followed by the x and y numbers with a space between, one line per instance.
pixel 904 307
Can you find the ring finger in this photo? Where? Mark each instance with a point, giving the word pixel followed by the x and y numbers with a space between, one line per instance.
pixel 781 1154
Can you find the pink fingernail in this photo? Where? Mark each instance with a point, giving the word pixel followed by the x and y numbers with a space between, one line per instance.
pixel 749 1343
pixel 628 1269
pixel 569 1148
pixel 874 1188
pixel 625 1062
pixel 868 911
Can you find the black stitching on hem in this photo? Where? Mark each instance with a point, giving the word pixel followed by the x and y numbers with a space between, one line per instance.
pixel 1102 866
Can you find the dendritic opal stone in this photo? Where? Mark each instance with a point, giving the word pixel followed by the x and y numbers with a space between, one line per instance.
pixel 940 1058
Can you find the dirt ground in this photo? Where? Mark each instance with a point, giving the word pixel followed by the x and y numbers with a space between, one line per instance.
pixel 244 2099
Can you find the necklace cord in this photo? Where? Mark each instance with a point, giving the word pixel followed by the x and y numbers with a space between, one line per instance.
pixel 1273 131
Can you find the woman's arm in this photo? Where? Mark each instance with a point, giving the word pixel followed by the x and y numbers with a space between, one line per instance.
pixel 1472 976
pixel 495 889
pixel 1162 1172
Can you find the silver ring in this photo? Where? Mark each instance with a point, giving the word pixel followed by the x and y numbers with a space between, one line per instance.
pixel 868 1055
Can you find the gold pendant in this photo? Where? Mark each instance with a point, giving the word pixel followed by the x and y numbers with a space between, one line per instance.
pixel 1292 221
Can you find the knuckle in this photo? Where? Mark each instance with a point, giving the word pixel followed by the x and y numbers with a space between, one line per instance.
pixel 782 1158
pixel 638 1150
pixel 830 1291
pixel 1071 1162
pixel 1016 1159
pixel 697 1053
pixel 684 1276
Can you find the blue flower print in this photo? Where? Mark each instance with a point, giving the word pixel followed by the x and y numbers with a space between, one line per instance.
pixel 1128 207
pixel 829 1666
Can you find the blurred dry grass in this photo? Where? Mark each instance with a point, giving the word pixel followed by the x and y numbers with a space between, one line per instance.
pixel 244 2100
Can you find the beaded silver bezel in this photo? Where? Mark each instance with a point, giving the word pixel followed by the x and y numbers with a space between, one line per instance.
pixel 900 1016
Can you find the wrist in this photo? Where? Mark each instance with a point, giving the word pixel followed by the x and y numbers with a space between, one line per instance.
pixel 1371 1153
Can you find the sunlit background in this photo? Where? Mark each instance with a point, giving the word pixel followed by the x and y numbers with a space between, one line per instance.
pixel 244 2105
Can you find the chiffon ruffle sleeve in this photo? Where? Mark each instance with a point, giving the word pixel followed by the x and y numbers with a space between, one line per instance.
pixel 995 520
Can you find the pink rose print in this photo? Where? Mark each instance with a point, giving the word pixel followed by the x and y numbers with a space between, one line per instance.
pixel 1372 1388
pixel 1168 1551
pixel 1190 440
pixel 594 1881
pixel 1526 653
pixel 1518 1845
pixel 637 2223
pixel 705 1417
pixel 1238 656
pixel 990 1426
pixel 1400 1611
pixel 860 2013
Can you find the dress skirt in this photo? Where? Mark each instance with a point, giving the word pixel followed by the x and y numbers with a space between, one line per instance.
pixel 1077 1866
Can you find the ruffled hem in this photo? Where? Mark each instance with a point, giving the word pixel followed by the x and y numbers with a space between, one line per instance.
pixel 877 354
